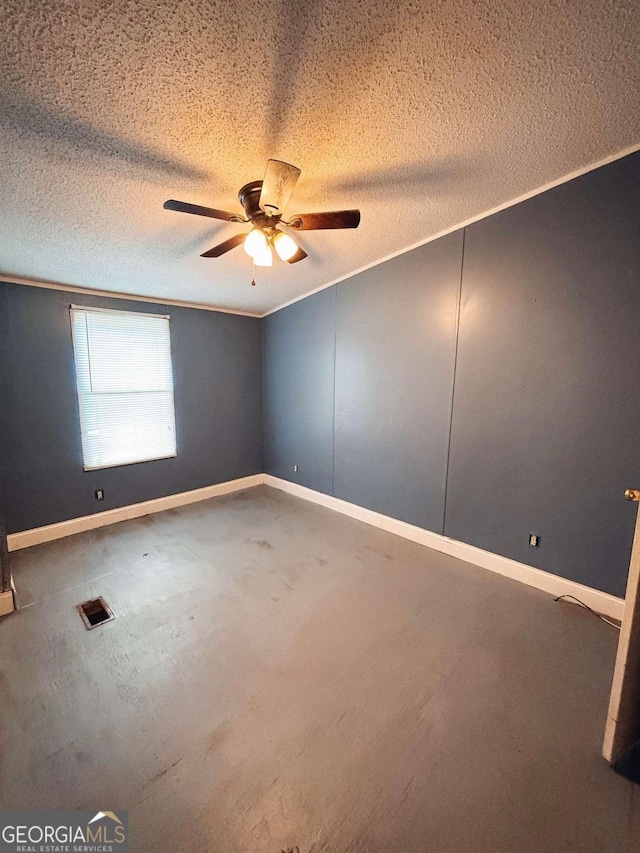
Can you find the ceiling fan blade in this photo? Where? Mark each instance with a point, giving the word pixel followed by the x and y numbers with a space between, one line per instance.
pixel 277 186
pixel 300 255
pixel 185 207
pixel 331 219
pixel 221 248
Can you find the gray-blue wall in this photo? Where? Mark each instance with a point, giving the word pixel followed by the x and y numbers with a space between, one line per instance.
pixel 299 347
pixel 395 350
pixel 217 365
pixel 541 365
pixel 5 574
pixel 4 554
pixel 485 385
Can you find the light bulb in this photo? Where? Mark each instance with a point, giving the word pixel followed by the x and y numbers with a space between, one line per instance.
pixel 264 258
pixel 255 243
pixel 284 245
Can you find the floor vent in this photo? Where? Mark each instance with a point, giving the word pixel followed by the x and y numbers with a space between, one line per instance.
pixel 95 612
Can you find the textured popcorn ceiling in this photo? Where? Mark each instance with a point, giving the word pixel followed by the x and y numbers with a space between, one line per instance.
pixel 423 114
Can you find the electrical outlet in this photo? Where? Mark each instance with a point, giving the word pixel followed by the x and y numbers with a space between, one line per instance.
pixel 99 493
pixel 534 540
pixel 295 469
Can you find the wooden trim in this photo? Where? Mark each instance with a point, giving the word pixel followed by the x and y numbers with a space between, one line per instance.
pixel 8 601
pixel 52 285
pixel 37 535
pixel 601 602
pixel 622 730
pixel 8 278
pixel 511 203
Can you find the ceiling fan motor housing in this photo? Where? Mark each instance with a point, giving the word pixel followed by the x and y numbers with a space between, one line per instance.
pixel 249 197
pixel 264 203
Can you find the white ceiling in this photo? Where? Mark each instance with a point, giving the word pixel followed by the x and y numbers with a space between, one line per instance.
pixel 423 114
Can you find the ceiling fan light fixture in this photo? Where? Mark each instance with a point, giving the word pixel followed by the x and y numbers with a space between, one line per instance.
pixel 264 203
pixel 256 244
pixel 284 245
pixel 264 258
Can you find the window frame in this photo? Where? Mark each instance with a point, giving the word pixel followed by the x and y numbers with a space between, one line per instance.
pixel 94 309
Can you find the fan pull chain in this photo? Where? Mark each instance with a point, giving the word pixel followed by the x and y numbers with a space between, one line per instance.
pixel 253 274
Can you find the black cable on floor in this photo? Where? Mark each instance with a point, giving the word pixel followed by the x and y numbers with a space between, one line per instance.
pixel 590 609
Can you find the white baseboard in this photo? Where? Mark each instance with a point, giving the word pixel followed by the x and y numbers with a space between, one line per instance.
pixel 8 600
pixel 601 602
pixel 37 535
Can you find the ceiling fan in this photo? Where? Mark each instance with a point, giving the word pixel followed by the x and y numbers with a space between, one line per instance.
pixel 264 203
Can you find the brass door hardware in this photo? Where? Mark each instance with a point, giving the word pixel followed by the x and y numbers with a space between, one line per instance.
pixel 632 495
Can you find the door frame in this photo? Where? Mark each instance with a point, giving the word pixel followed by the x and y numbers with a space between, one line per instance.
pixel 622 731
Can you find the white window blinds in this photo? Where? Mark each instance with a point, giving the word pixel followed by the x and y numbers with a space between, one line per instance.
pixel 125 386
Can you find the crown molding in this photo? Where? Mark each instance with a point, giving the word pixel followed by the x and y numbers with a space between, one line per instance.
pixel 9 278
pixel 511 203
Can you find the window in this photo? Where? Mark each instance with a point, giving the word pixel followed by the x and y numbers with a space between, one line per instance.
pixel 125 386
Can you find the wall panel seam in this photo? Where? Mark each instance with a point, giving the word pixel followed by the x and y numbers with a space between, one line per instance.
pixel 333 420
pixel 453 384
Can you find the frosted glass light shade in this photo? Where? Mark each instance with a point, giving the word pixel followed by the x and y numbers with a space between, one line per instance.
pixel 284 245
pixel 264 258
pixel 255 243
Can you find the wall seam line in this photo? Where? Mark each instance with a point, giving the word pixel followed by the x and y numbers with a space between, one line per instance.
pixel 462 225
pixel 333 425
pixel 453 384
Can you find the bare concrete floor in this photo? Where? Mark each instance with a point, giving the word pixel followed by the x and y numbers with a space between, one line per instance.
pixel 279 675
